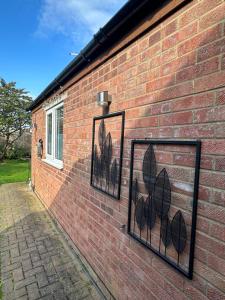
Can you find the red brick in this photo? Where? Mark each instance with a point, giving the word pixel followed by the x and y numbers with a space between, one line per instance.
pixel 181 35
pixel 212 212
pixel 210 81
pixel 170 28
pixel 176 119
pixel 172 292
pixel 214 294
pixel 142 68
pixel 203 224
pixel 216 263
pixel 160 83
pixel 133 113
pixel 219 130
pixel 220 98
pixel 198 70
pixel 191 102
pixel 214 16
pixel 184 160
pixel 178 64
pixel 220 164
pixel 165 132
pixel 150 52
pixel 154 38
pixel 193 293
pixel 177 91
pixel 164 157
pixel 158 108
pixel 104 70
pixel 200 40
pixel 198 283
pixel 133 51
pixel 144 122
pixel 214 277
pixel 189 160
pixel 204 193
pixel 204 115
pixel 219 197
pixel 143 44
pixel 188 31
pixel 153 74
pixel 155 61
pixel 216 180
pixel 198 10
pixel 170 41
pixel 223 62
pixel 168 55
pixel 209 244
pixel 213 49
pixel 217 231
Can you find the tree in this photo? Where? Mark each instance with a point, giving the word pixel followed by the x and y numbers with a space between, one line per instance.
pixel 14 117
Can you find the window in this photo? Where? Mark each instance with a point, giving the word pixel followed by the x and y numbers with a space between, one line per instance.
pixel 49 133
pixel 54 136
pixel 59 132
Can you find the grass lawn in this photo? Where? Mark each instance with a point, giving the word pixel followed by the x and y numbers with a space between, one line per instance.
pixel 13 171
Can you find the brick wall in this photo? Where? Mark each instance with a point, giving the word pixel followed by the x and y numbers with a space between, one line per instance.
pixel 171 82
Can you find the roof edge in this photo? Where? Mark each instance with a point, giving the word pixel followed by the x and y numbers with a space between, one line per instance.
pixel 113 31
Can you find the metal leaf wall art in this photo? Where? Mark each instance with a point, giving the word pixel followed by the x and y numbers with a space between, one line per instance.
pixel 139 213
pixel 150 212
pixel 165 231
pixel 158 204
pixel 114 174
pixel 106 167
pixel 162 194
pixel 149 169
pixel 178 232
pixel 151 217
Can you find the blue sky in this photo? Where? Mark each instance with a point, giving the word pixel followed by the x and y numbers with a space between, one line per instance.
pixel 37 36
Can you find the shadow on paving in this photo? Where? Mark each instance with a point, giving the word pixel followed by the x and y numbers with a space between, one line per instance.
pixel 35 262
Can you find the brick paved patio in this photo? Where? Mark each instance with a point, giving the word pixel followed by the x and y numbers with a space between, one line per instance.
pixel 35 263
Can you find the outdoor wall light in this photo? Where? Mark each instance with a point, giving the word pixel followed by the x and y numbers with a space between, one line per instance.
pixel 40 148
pixel 34 126
pixel 103 101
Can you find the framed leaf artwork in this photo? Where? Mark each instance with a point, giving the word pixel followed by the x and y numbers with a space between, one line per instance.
pixel 107 153
pixel 163 193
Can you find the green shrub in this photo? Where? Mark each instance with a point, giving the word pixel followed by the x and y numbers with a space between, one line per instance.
pixel 18 153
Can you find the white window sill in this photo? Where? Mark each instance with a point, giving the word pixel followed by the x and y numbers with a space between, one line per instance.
pixel 56 164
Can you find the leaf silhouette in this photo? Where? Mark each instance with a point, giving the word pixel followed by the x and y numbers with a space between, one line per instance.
pixel 149 169
pixel 96 164
pixel 108 149
pixel 101 166
pixel 178 232
pixel 139 213
pixel 150 214
pixel 162 194
pixel 101 135
pixel 114 174
pixel 165 231
pixel 135 191
pixel 107 157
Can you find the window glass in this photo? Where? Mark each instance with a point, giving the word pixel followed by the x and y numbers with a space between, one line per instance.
pixel 59 133
pixel 49 133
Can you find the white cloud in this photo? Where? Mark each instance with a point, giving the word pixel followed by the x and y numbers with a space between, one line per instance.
pixel 76 19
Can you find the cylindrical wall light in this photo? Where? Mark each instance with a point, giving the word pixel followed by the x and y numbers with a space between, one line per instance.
pixel 103 101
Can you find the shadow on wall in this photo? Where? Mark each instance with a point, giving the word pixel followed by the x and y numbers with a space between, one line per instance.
pixel 185 103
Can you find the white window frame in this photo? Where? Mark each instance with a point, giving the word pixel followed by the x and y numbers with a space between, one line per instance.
pixel 51 158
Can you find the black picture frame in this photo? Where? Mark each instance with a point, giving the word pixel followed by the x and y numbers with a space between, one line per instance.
pixel 197 144
pixel 115 195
